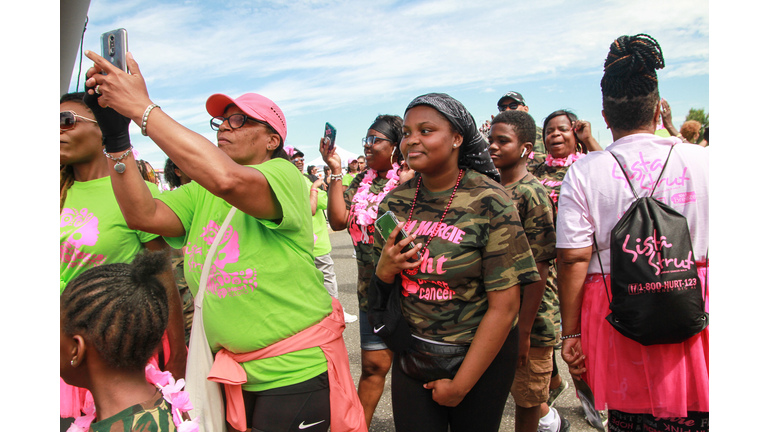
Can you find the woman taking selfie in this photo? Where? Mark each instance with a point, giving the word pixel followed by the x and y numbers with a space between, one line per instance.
pixel 248 303
pixel 93 231
pixel 355 210
pixel 461 298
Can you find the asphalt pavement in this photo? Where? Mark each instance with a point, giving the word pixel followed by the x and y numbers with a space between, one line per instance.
pixel 346 274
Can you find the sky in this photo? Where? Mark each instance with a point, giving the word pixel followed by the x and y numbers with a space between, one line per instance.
pixel 345 62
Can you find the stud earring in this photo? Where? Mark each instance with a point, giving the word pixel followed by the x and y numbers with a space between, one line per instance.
pixel 72 362
pixel 454 146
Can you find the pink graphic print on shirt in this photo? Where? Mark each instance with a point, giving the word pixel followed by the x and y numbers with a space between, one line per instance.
pixel 80 228
pixel 219 281
pixel 434 290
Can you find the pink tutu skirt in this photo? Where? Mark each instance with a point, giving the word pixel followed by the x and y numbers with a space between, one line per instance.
pixel 663 380
pixel 73 399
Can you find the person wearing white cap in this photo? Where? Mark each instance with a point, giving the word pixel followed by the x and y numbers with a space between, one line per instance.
pixel 263 290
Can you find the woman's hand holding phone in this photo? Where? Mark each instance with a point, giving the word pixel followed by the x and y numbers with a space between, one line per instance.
pixel 126 93
pixel 330 157
pixel 392 261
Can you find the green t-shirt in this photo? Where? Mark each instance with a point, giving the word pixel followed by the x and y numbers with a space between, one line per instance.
pixel 536 214
pixel 153 415
pixel 347 179
pixel 263 285
pixel 319 224
pixel 362 238
pixel 479 247
pixel 93 231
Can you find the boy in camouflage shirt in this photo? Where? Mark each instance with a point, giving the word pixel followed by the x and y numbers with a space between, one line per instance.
pixel 511 136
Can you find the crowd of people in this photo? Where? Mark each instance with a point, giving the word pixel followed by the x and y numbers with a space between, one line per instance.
pixel 214 306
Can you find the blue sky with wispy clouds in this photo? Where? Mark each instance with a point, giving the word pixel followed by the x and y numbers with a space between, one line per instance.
pixel 347 61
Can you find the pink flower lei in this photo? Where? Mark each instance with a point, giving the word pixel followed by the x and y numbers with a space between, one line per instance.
pixel 365 205
pixel 563 162
pixel 172 393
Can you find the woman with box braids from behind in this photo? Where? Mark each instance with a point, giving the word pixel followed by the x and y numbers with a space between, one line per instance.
pixel 653 387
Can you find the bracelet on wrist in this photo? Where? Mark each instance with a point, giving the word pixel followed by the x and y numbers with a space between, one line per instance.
pixel 335 176
pixel 564 337
pixel 145 117
pixel 119 166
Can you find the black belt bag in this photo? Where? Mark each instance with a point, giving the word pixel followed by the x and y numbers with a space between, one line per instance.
pixel 427 362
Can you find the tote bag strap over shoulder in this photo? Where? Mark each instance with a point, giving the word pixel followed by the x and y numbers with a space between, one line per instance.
pixel 205 395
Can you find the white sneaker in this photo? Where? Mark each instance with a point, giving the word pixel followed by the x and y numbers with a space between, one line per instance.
pixel 349 318
pixel 559 425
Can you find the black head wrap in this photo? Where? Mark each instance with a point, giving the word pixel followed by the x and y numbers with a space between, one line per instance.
pixel 388 129
pixel 473 152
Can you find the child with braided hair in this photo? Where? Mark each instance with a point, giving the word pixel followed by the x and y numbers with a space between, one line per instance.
pixel 654 387
pixel 112 321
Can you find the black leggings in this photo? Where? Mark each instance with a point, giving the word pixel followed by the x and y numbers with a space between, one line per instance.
pixel 480 410
pixel 302 407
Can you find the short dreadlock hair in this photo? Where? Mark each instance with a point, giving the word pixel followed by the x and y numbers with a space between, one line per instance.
pixel 630 85
pixel 121 309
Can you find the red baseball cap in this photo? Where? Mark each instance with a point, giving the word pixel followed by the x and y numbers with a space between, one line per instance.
pixel 252 104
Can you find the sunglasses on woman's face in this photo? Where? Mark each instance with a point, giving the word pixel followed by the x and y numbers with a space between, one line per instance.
pixel 68 120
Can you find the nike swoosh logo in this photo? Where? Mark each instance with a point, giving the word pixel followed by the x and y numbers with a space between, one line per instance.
pixel 303 426
pixel 376 330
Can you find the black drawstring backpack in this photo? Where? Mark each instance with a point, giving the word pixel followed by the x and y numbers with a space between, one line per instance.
pixel 656 289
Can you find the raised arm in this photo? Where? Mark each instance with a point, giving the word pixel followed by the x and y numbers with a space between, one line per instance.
pixel 338 213
pixel 243 187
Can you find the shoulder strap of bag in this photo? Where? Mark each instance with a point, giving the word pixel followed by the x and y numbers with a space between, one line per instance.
pixel 203 285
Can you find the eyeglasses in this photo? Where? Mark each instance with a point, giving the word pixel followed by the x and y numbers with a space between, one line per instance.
pixel 511 105
pixel 68 120
pixel 371 140
pixel 299 159
pixel 235 121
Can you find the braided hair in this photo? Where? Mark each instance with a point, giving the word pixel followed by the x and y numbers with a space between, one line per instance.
pixel 66 172
pixel 121 309
pixel 630 85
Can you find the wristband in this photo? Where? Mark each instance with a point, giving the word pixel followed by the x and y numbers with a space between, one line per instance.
pixel 570 336
pixel 145 117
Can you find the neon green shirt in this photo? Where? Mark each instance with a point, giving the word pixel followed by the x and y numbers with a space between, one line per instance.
pixel 93 231
pixel 319 224
pixel 263 285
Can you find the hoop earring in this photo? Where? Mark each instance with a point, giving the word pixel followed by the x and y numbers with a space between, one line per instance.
pixel 392 156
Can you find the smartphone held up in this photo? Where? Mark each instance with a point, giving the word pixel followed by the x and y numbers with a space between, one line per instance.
pixel 330 136
pixel 114 48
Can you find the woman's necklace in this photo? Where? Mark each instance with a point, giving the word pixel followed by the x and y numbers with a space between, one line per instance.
pixel 365 205
pixel 436 226
pixel 563 162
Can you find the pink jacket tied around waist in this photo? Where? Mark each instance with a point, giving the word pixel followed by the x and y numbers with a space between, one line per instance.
pixel 346 410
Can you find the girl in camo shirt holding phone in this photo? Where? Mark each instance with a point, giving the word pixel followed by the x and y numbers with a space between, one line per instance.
pixel 462 296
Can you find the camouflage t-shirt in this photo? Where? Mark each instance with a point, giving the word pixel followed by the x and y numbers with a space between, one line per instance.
pixel 479 247
pixel 550 176
pixel 536 214
pixel 362 239
pixel 153 415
